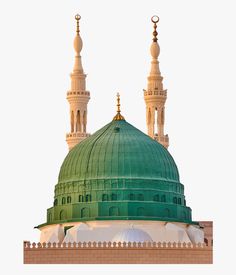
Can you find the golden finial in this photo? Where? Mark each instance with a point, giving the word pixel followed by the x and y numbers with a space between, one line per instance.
pixel 77 18
pixel 155 20
pixel 118 116
pixel 118 103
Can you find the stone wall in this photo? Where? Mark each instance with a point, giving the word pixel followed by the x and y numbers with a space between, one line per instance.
pixel 117 253
pixel 208 231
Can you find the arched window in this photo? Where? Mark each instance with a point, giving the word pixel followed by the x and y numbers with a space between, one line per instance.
pixel 156 198
pixel 104 197
pixel 85 121
pixel 163 198
pixel 131 197
pixel 113 211
pixel 184 215
pixel 184 202
pixel 113 197
pixel 63 200
pixel 174 200
pixel 72 122
pixel 88 198
pixel 55 202
pixel 81 199
pixel 69 199
pixel 140 197
pixel 62 215
pixel 49 217
pixel 149 116
pixel 78 125
pixel 140 211
pixel 84 212
pixel 167 213
pixel 179 200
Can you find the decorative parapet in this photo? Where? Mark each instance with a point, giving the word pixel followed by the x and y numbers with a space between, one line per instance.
pixel 155 92
pixel 117 253
pixel 134 245
pixel 162 139
pixel 72 93
pixel 77 135
pixel 74 138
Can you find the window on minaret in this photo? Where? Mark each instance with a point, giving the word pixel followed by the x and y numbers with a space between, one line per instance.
pixel 69 199
pixel 162 116
pixel 81 199
pixel 78 124
pixel 55 202
pixel 149 116
pixel 63 200
pixel 155 121
pixel 84 121
pixel 72 121
pixel 175 200
pixel 179 200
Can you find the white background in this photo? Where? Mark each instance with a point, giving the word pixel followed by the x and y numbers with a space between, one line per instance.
pixel 197 61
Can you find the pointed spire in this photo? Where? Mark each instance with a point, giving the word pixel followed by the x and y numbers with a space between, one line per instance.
pixel 155 49
pixel 118 116
pixel 78 44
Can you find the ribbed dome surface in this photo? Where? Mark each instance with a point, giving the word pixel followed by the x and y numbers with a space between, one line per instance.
pixel 118 173
pixel 132 235
pixel 118 150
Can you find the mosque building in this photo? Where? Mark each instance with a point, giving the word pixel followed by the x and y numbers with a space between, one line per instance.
pixel 119 184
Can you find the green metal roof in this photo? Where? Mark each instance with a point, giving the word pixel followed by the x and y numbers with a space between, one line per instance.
pixel 118 150
pixel 118 173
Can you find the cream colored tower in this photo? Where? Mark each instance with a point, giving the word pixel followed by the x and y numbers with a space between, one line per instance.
pixel 77 96
pixel 155 96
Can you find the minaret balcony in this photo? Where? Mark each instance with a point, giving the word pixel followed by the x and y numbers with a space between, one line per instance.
pixel 155 92
pixel 73 139
pixel 74 93
pixel 164 140
pixel 77 135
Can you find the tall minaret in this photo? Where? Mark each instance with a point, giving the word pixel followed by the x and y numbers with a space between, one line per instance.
pixel 77 96
pixel 155 96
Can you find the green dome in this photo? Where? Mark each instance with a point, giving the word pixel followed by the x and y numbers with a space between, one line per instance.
pixel 118 173
pixel 118 150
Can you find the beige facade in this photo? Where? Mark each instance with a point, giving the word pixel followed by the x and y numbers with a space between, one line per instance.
pixel 77 96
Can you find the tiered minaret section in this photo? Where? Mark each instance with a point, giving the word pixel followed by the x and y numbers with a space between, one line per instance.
pixel 77 96
pixel 155 95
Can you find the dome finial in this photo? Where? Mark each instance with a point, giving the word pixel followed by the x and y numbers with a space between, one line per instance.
pixel 118 116
pixel 155 20
pixel 118 103
pixel 77 18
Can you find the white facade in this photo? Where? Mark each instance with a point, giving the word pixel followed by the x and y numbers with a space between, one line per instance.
pixel 105 231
